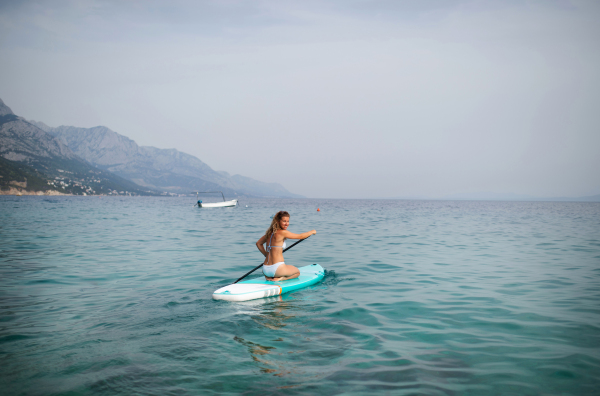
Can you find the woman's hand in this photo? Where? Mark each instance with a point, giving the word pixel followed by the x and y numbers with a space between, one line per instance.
pixel 309 233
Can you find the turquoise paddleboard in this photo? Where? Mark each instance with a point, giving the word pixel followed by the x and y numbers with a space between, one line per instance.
pixel 261 288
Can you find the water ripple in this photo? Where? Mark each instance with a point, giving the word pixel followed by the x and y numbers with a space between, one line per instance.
pixel 105 296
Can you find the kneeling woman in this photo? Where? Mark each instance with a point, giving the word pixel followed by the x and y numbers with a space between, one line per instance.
pixel 274 268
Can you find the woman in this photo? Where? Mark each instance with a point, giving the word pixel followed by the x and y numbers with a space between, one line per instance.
pixel 274 268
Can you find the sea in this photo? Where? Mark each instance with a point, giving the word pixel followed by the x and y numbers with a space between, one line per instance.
pixel 113 296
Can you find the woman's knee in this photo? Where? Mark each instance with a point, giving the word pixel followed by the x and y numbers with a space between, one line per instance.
pixel 293 270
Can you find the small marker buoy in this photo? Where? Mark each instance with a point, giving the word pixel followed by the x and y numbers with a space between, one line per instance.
pixel 318 210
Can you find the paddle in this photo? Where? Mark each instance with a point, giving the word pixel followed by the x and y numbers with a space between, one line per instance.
pixel 284 250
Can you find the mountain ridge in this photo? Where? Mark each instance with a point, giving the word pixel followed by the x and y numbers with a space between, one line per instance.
pixel 164 169
pixel 35 160
pixel 126 166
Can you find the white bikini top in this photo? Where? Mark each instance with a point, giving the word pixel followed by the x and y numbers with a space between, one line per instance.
pixel 269 246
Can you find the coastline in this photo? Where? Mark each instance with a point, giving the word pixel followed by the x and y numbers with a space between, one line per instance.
pixel 15 191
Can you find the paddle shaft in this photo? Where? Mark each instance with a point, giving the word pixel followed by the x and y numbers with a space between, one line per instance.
pixel 284 250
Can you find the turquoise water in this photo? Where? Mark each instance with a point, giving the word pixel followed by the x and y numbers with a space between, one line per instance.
pixel 113 296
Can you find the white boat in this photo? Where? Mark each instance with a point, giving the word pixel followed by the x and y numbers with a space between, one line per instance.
pixel 233 202
pixel 223 204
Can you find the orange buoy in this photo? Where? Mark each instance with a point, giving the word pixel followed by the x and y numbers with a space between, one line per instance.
pixel 318 210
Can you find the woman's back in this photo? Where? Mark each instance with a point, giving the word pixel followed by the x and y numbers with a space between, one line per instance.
pixel 274 267
pixel 275 248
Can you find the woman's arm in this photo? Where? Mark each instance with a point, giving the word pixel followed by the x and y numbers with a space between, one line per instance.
pixel 260 243
pixel 291 235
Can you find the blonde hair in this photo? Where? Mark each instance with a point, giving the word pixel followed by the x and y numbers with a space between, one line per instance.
pixel 275 222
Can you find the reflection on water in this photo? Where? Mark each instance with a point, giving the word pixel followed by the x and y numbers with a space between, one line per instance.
pixel 273 313
pixel 275 316
pixel 257 352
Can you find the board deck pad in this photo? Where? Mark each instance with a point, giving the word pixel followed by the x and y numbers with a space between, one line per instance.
pixel 261 288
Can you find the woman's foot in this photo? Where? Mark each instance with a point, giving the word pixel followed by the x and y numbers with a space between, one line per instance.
pixel 282 278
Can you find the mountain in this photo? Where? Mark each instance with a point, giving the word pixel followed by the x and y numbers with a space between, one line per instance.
pixel 22 141
pixel 5 110
pixel 16 177
pixel 164 169
pixel 31 155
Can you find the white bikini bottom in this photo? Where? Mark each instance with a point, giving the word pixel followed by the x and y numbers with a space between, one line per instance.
pixel 269 270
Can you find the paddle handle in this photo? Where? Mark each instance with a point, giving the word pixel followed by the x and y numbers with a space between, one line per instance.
pixel 284 250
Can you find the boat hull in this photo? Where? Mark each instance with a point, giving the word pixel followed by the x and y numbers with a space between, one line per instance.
pixel 233 202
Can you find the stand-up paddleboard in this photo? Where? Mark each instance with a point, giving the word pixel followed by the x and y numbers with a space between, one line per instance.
pixel 261 288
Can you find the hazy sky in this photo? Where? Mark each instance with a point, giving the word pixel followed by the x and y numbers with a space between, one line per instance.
pixel 344 99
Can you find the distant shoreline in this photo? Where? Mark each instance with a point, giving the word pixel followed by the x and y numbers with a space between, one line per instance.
pixel 14 191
